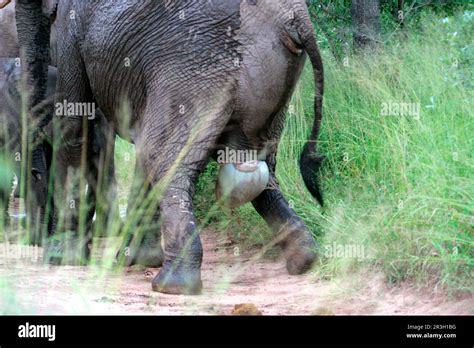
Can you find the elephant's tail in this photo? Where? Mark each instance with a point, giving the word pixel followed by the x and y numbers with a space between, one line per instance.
pixel 310 160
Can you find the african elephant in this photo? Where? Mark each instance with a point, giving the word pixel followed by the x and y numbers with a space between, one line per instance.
pixel 11 148
pixel 194 75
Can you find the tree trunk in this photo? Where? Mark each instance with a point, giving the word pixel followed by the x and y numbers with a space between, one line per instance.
pixel 365 23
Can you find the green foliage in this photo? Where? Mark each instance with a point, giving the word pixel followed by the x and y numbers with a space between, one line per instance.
pixel 6 179
pixel 333 22
pixel 402 187
pixel 125 158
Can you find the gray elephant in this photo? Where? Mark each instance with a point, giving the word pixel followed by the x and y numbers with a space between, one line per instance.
pixel 195 75
pixel 36 194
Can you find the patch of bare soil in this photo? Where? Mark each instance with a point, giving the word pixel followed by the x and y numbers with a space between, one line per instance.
pixel 239 284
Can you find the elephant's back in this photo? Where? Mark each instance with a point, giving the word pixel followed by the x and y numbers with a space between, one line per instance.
pixel 130 48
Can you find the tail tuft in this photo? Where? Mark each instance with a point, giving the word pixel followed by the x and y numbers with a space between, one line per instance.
pixel 310 164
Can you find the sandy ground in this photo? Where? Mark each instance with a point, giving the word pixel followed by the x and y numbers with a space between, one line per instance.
pixel 29 287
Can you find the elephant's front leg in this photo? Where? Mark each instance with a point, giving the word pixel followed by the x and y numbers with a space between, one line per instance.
pixel 69 241
pixel 292 233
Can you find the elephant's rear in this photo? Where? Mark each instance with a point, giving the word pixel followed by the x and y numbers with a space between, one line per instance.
pixel 277 36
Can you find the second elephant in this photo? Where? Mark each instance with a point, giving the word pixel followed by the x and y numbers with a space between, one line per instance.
pixel 39 170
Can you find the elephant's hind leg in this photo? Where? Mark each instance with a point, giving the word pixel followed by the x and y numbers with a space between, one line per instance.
pixel 172 168
pixel 291 232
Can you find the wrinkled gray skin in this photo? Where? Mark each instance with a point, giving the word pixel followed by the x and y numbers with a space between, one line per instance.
pixel 10 145
pixel 9 39
pixel 202 75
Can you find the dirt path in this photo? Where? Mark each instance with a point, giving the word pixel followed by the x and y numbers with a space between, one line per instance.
pixel 28 287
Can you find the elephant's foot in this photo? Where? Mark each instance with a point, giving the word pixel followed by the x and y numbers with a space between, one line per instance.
pixel 66 249
pixel 299 247
pixel 178 280
pixel 300 251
